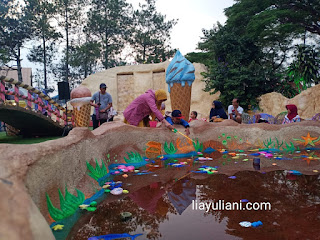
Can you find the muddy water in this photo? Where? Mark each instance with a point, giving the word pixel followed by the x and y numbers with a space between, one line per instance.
pixel 165 206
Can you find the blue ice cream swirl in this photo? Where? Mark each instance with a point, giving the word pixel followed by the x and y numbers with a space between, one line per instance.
pixel 180 70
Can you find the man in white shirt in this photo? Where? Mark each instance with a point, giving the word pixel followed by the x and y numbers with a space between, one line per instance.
pixel 235 111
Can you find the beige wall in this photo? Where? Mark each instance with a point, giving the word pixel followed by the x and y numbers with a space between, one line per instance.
pixel 128 82
pixel 308 102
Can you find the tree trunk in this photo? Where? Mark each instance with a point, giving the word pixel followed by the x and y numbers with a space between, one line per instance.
pixel 19 64
pixel 44 61
pixel 67 47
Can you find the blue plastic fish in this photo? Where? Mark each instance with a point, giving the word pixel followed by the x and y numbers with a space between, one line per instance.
pixel 295 172
pixel 142 173
pixel 114 236
pixel 199 171
pixel 254 154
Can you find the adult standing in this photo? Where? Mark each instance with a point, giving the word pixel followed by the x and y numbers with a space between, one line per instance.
pixel 144 105
pixel 102 102
pixel 235 111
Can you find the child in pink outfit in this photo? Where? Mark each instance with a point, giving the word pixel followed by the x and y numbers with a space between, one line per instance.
pixel 193 116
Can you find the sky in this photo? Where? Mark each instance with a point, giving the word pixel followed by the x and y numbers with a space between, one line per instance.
pixel 193 15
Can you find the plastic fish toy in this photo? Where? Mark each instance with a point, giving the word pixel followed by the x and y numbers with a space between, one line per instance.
pixel 114 236
pixel 204 159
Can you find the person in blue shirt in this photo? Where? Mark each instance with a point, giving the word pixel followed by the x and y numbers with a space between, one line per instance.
pixel 176 118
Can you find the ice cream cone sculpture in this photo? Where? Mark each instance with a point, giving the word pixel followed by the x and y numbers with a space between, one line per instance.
pixel 81 111
pixel 80 102
pixel 179 77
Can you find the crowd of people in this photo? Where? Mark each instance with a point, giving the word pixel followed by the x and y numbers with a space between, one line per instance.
pixel 150 106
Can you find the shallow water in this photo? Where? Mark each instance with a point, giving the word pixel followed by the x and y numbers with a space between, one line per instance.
pixel 164 210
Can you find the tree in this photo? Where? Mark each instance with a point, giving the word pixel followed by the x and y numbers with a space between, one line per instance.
pixel 69 12
pixel 45 34
pixel 305 68
pixel 84 58
pixel 151 35
pixel 237 67
pixel 110 21
pixel 15 30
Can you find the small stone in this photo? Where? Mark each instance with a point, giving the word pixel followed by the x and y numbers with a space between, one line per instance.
pixel 107 190
pixel 125 216
pixel 315 171
pixel 125 175
pixel 274 164
pixel 125 191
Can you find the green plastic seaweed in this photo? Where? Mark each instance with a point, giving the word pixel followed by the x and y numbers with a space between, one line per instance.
pixel 97 172
pixel 68 204
pixel 171 149
pixel 197 145
pixel 133 157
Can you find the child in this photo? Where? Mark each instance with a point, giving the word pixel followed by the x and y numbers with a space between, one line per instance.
pixel 193 116
pixel 176 118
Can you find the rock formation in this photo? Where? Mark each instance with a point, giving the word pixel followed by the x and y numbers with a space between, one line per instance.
pixel 128 82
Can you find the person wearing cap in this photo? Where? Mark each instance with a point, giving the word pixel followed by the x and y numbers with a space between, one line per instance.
pixel 177 118
pixel 103 101
pixel 143 106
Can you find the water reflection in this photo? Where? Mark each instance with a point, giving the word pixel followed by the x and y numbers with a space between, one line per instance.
pixel 164 211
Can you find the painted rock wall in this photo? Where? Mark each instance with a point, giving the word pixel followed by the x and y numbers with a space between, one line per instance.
pixel 128 82
pixel 28 172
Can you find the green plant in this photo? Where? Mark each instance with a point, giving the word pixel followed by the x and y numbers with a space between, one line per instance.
pixel 171 149
pixel 68 204
pixel 278 144
pixel 133 157
pixel 197 145
pixel 268 143
pixel 290 148
pixel 97 172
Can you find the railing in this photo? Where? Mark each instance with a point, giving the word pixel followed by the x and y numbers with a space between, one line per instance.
pixel 54 110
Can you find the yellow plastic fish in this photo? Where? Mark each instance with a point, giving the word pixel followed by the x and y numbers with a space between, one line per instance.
pixel 84 206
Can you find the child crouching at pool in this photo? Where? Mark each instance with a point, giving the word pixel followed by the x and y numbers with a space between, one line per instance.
pixel 176 118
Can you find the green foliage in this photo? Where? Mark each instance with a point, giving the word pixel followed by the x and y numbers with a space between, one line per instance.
pixel 16 29
pixel 111 22
pixel 171 149
pixel 197 145
pixel 133 157
pixel 198 57
pixel 151 34
pixel 305 68
pixel 247 56
pixel 85 57
pixel 68 204
pixel 97 172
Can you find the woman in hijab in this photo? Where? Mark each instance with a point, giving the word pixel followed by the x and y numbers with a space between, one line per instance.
pixel 217 111
pixel 138 111
pixel 292 115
